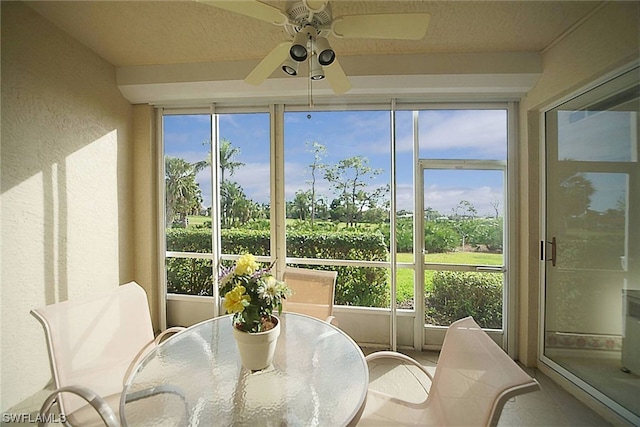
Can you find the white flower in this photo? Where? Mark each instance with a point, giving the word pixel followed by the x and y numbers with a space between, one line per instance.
pixel 269 288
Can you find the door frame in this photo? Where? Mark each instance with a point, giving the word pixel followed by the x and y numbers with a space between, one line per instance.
pixel 577 385
pixel 507 337
pixel 436 333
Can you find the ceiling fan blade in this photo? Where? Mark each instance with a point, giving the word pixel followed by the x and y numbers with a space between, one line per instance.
pixel 270 62
pixel 253 9
pixel 403 26
pixel 337 78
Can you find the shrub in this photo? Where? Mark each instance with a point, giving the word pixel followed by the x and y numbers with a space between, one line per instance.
pixel 440 236
pixel 362 286
pixel 456 295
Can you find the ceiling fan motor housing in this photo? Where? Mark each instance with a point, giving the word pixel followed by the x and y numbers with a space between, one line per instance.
pixel 300 17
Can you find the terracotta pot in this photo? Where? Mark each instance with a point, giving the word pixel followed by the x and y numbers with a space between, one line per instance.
pixel 257 348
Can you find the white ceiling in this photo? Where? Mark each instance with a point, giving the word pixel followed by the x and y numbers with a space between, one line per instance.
pixel 134 34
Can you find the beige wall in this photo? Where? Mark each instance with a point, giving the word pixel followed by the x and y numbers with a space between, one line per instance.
pixel 608 40
pixel 66 206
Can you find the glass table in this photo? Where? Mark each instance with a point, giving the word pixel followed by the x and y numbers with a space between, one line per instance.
pixel 319 377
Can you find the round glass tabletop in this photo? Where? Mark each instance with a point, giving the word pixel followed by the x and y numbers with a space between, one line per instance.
pixel 319 377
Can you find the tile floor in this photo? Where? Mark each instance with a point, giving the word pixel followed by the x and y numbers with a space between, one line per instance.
pixel 551 406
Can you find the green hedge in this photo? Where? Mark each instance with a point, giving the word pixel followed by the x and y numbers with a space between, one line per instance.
pixel 361 286
pixel 456 295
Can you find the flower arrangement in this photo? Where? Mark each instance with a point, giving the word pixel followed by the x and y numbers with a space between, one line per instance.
pixel 251 294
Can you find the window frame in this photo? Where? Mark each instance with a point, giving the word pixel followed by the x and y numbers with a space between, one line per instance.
pixel 278 204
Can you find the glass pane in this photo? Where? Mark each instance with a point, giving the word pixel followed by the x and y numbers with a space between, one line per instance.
pixel 463 134
pixel 404 185
pixel 358 286
pixel 589 224
pixel 337 196
pixel 187 149
pixel 464 216
pixel 245 183
pixel 452 295
pixel 404 285
pixel 604 136
pixel 189 276
pixel 600 125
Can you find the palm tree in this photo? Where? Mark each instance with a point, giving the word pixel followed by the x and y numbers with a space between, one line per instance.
pixel 227 153
pixel 183 194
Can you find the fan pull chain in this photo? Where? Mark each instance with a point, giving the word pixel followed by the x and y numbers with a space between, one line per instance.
pixel 309 87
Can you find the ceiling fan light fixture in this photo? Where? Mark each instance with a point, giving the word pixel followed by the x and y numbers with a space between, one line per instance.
pixel 317 73
pixel 298 49
pixel 326 55
pixel 290 67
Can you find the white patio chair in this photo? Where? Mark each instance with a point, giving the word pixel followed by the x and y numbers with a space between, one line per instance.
pixel 93 346
pixel 313 292
pixel 473 379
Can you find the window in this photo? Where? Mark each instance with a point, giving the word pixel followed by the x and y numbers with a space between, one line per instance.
pixel 317 191
pixel 188 195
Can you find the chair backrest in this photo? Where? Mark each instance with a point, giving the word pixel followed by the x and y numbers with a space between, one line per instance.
pixel 92 342
pixel 474 378
pixel 313 291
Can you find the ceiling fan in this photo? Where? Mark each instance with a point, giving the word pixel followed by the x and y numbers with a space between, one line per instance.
pixel 309 22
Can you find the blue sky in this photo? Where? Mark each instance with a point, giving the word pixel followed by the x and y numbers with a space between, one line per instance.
pixel 443 135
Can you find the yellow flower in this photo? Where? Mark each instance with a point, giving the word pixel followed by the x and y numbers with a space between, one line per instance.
pixel 236 300
pixel 246 264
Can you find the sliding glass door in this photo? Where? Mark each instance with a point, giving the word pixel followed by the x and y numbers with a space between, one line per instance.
pixel 591 249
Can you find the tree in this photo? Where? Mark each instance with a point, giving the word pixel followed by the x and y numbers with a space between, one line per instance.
pixel 495 204
pixel 301 205
pixel 463 214
pixel 465 210
pixel 576 192
pixel 319 152
pixel 349 179
pixel 227 154
pixel 234 206
pixel 183 194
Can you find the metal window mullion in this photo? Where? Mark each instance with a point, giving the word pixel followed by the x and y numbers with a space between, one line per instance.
pixel 418 239
pixel 162 235
pixel 216 244
pixel 510 241
pixel 277 202
pixel 392 231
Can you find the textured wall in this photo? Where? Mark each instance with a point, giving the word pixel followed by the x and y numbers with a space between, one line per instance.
pixel 606 41
pixel 67 199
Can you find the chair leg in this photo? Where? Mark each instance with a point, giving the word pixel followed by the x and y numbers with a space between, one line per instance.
pixel 105 412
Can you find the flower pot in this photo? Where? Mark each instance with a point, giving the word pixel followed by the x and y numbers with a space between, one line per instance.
pixel 257 348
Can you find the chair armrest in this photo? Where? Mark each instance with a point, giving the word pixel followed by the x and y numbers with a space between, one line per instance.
pixel 332 320
pixel 398 356
pixel 172 330
pixel 144 350
pixel 97 402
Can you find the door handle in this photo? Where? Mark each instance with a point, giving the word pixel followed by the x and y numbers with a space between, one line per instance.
pixel 553 244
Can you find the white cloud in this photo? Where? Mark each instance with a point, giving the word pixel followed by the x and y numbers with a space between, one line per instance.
pixel 444 200
pixel 480 131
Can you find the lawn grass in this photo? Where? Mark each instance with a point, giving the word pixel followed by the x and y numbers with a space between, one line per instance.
pixel 404 276
pixel 197 220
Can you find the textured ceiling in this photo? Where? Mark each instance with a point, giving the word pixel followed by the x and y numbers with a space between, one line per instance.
pixel 128 33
